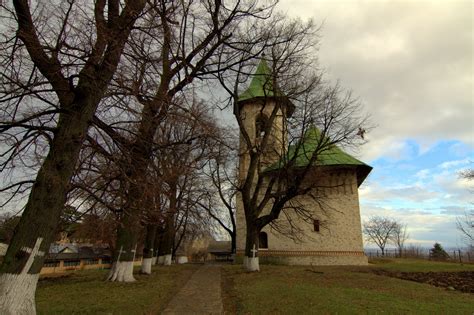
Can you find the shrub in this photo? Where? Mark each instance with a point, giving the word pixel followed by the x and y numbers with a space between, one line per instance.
pixel 438 253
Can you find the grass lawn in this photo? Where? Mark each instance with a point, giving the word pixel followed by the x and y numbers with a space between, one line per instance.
pixel 341 290
pixel 86 292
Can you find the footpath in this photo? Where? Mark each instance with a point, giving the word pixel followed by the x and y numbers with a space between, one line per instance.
pixel 200 295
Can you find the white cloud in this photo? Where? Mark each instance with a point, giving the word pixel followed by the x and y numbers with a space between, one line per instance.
pixel 423 174
pixel 410 62
pixel 454 164
pixel 389 147
pixel 424 227
pixel 456 189
pixel 453 210
pixel 378 192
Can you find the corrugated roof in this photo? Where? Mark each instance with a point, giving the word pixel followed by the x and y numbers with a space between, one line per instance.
pixel 83 252
pixel 58 248
pixel 219 247
pixel 331 156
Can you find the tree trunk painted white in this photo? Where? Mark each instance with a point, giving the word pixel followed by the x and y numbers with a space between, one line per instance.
pixel 154 260
pixel 17 293
pixel 161 259
pixel 181 259
pixel 252 264
pixel 122 271
pixel 245 262
pixel 146 266
pixel 167 260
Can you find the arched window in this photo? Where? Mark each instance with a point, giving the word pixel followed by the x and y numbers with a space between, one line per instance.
pixel 262 240
pixel 260 125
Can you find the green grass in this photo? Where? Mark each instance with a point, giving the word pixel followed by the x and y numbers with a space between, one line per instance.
pixel 86 292
pixel 274 290
pixel 336 290
pixel 418 265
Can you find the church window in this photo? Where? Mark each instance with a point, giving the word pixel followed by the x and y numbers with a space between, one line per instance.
pixel 260 125
pixel 316 225
pixel 263 240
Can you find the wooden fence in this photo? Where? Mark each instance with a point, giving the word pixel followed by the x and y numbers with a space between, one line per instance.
pixel 60 266
pixel 455 255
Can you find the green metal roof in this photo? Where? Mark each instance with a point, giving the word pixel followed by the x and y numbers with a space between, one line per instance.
pixel 261 84
pixel 331 156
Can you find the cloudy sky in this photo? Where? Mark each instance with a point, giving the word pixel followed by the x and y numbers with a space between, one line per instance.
pixel 411 65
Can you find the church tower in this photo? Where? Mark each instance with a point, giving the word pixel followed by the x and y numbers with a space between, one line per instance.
pixel 261 104
pixel 334 237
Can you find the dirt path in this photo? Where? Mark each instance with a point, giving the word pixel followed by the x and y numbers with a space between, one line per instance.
pixel 200 295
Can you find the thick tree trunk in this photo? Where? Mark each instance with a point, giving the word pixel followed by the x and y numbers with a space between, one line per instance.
pixel 19 293
pixel 251 262
pixel 166 250
pixel 170 230
pixel 140 153
pixel 125 250
pixel 159 245
pixel 233 237
pixel 160 251
pixel 130 227
pixel 181 259
pixel 148 249
pixel 121 271
pixel 36 229
pixel 156 245
pixel 146 266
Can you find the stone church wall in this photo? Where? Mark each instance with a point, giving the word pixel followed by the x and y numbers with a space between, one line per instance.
pixel 339 240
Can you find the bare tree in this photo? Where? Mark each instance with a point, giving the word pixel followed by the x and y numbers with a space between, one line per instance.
pixel 97 227
pixel 180 42
pixel 220 202
pixel 191 222
pixel 467 174
pixel 148 248
pixel 179 166
pixel 465 224
pixel 380 230
pixel 300 118
pixel 152 217
pixel 180 147
pixel 54 71
pixel 399 236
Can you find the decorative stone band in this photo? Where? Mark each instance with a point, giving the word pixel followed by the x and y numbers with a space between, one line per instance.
pixel 304 253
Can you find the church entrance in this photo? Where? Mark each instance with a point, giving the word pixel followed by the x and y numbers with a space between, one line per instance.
pixel 263 240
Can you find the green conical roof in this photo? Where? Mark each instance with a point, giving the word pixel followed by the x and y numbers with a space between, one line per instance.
pixel 331 156
pixel 261 84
